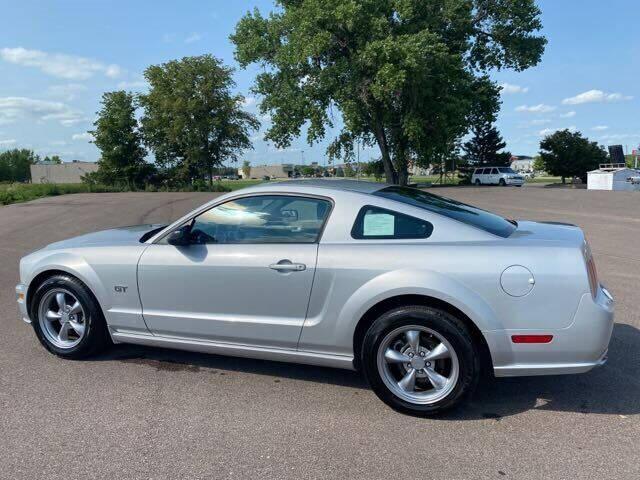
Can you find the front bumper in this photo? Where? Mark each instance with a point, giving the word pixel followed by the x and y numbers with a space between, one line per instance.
pixel 21 299
pixel 578 348
pixel 514 181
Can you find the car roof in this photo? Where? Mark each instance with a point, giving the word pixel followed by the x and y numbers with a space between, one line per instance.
pixel 330 184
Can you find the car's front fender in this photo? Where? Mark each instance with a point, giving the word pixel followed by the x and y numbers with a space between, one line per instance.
pixel 109 272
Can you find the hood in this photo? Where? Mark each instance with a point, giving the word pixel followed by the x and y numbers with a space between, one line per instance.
pixel 116 236
pixel 549 231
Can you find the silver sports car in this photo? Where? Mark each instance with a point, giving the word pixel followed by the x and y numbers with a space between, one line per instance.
pixel 421 293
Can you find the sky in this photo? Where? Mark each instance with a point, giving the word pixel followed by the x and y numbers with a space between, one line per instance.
pixel 58 57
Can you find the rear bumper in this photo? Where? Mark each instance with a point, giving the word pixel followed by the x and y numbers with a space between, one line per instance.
pixel 21 299
pixel 576 349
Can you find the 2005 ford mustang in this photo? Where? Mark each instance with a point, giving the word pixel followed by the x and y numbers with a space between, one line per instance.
pixel 422 293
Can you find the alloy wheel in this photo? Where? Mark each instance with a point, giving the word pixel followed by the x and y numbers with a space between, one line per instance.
pixel 418 364
pixel 62 318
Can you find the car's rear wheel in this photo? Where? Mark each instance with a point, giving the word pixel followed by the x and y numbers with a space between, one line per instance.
pixel 420 360
pixel 67 319
pixel 502 182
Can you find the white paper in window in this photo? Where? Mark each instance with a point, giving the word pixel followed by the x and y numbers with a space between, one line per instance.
pixel 378 225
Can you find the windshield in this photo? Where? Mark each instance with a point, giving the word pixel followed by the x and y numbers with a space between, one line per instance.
pixel 506 170
pixel 476 217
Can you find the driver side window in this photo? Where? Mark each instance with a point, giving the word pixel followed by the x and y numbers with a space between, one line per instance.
pixel 262 219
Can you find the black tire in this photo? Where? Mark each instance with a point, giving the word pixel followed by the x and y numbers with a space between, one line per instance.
pixel 95 338
pixel 502 183
pixel 450 328
pixel 478 182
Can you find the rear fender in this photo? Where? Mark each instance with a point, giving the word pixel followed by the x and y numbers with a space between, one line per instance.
pixel 414 282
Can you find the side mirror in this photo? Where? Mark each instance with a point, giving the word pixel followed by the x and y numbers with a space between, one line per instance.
pixel 180 237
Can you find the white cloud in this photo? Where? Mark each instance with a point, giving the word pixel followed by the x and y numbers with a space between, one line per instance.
pixel 4 143
pixel 133 85
pixel 568 114
pixel 249 102
pixel 168 37
pixel 595 96
pixel 59 65
pixel 540 121
pixel 620 136
pixel 14 108
pixel 67 91
pixel 548 131
pixel 194 37
pixel 540 108
pixel 600 128
pixel 508 88
pixel 82 136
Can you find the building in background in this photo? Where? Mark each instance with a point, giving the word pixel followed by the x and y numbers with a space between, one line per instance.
pixel 522 163
pixel 271 171
pixel 67 172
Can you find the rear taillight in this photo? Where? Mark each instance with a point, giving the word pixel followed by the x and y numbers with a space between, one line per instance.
pixel 591 270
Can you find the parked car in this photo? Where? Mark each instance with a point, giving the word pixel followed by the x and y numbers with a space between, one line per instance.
pixel 528 175
pixel 502 176
pixel 421 293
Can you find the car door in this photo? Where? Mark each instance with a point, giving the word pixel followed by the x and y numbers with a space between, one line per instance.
pixel 244 277
pixel 495 176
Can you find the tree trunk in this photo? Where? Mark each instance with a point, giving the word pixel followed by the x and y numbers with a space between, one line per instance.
pixel 564 180
pixel 381 138
pixel 402 175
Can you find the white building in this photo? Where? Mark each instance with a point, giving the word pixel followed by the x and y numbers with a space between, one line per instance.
pixel 522 164
pixel 66 172
pixel 271 171
pixel 613 177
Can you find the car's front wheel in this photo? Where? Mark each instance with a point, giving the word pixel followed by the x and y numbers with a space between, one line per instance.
pixel 420 360
pixel 502 182
pixel 67 319
pixel 478 183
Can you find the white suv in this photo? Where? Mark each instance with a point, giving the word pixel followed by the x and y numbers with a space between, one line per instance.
pixel 496 176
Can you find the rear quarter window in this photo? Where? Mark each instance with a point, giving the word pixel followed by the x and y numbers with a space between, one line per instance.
pixel 476 217
pixel 374 223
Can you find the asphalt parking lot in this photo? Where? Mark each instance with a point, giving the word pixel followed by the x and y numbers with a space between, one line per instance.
pixel 146 413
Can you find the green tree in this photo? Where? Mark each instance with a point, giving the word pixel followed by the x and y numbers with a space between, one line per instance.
pixel 403 74
pixel 15 165
pixel 192 121
pixel 308 171
pixel 485 145
pixel 349 171
pixel 538 164
pixel 374 169
pixel 246 169
pixel 569 154
pixel 55 159
pixel 117 137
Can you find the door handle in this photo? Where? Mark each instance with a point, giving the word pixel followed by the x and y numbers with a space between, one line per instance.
pixel 288 266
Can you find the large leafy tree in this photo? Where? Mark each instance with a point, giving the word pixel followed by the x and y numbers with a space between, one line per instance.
pixel 116 135
pixel 569 154
pixel 192 120
pixel 15 165
pixel 484 148
pixel 402 74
